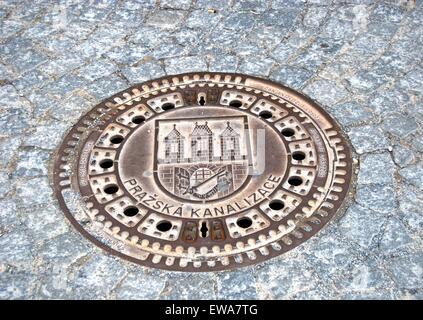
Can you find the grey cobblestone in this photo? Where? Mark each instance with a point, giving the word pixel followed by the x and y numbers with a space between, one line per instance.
pixel 376 168
pixel 10 98
pixel 361 60
pixel 63 64
pixel 66 249
pixel 8 147
pixel 32 162
pixel 4 184
pixel 283 279
pixel 14 121
pixel 130 286
pixel 257 65
pixel 179 286
pixel 292 76
pixel 31 81
pixel 143 72
pixel 185 64
pixel 399 125
pixel 97 70
pixel 394 236
pixel 8 217
pixel 17 284
pixel 410 202
pixel 44 223
pixel 70 109
pixel 98 276
pixel 360 138
pixel 237 285
pixel 407 270
pixel 351 113
pixel 20 249
pixel 325 252
pixel 361 225
pixel 365 280
pixel 35 191
pixel 417 141
pixel 103 87
pixel 223 64
pixel 166 19
pixel 365 82
pixel 376 197
pixel 45 136
pixel 413 174
pixel 326 92
pixel 403 156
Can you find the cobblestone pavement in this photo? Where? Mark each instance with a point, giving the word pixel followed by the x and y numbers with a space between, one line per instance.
pixel 360 59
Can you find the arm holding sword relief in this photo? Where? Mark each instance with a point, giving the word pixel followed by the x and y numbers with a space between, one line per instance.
pixel 205 183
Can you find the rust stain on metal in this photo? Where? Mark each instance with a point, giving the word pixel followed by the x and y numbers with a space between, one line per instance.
pixel 203 171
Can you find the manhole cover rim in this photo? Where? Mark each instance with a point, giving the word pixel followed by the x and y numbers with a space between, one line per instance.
pixel 341 204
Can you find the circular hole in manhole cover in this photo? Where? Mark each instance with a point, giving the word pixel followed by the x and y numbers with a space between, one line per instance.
pixel 240 170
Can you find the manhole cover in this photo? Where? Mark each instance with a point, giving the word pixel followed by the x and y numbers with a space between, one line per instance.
pixel 203 171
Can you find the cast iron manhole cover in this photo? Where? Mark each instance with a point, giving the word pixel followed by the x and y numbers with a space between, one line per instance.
pixel 203 171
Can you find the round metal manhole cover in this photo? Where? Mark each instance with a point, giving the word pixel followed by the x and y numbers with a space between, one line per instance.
pixel 203 171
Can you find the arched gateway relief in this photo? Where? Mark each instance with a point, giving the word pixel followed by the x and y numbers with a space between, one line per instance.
pixel 204 171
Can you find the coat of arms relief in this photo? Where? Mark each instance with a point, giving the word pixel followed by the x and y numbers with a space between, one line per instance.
pixel 202 158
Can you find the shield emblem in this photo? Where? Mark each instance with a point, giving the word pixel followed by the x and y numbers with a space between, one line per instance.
pixel 202 158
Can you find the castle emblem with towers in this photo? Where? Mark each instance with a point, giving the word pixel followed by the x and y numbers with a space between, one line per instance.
pixel 203 159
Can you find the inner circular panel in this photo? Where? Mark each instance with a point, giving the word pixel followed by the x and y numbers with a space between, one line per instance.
pixel 202 158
